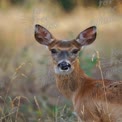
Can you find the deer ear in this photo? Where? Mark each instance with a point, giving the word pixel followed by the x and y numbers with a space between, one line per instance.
pixel 42 35
pixel 87 36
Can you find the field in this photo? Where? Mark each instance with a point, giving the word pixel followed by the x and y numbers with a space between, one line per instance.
pixel 27 85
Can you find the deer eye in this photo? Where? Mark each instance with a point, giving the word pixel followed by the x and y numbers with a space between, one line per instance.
pixel 75 51
pixel 53 51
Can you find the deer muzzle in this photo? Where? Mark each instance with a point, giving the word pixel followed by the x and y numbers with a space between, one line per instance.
pixel 64 65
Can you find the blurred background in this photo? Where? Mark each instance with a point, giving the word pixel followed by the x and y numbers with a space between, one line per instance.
pixel 27 85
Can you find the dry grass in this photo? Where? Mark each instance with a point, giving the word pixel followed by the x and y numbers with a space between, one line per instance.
pixel 27 85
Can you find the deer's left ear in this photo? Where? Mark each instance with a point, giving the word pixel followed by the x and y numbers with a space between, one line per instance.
pixel 87 36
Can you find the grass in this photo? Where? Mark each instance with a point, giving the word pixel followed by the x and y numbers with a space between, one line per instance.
pixel 22 95
pixel 27 86
pixel 22 109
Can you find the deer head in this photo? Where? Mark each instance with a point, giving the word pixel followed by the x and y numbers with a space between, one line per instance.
pixel 64 52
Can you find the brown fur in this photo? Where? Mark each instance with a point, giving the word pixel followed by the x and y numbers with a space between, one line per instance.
pixel 89 97
pixel 93 100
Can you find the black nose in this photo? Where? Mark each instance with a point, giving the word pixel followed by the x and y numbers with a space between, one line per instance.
pixel 64 65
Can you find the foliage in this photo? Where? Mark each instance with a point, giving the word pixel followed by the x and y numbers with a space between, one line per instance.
pixel 87 64
pixel 67 5
pixel 22 109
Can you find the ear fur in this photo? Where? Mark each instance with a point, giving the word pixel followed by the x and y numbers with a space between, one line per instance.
pixel 42 35
pixel 87 36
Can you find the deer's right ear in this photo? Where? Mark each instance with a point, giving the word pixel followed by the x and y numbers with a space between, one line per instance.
pixel 42 35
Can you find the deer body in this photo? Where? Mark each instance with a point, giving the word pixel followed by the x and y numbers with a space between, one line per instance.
pixel 93 100
pixel 88 96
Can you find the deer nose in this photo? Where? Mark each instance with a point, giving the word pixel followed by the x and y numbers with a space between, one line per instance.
pixel 64 65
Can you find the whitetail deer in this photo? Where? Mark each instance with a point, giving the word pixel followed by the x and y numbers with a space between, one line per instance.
pixel 93 100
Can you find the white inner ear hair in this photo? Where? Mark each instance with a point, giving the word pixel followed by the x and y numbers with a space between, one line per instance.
pixel 94 30
pixel 48 36
pixel 36 30
pixel 81 37
pixel 81 41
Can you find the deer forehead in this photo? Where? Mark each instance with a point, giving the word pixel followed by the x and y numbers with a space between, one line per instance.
pixel 64 45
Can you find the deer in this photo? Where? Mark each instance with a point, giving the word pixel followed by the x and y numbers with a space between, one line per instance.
pixel 93 100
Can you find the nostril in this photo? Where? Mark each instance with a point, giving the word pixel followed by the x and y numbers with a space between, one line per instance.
pixel 59 65
pixel 69 65
pixel 64 65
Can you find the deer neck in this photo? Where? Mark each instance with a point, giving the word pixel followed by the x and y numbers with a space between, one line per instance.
pixel 68 84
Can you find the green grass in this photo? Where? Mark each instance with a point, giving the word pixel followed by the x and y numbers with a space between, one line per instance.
pixel 87 64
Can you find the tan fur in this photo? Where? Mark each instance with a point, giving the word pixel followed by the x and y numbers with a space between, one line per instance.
pixel 93 100
pixel 89 98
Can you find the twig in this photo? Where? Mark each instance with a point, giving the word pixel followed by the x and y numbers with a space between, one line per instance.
pixel 99 66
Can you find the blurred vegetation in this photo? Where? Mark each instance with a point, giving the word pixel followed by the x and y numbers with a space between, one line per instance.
pixel 66 5
pixel 87 64
pixel 22 109
pixel 27 85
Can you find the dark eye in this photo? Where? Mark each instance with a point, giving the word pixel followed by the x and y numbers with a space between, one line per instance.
pixel 53 51
pixel 75 51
